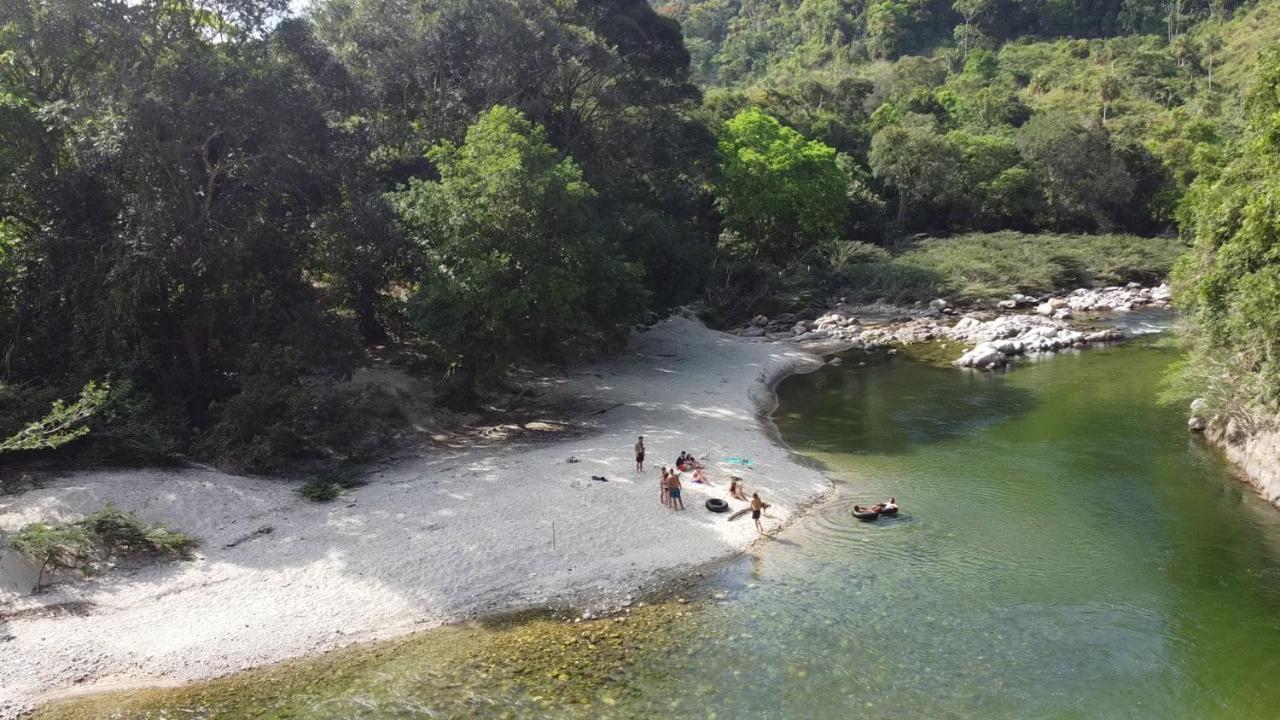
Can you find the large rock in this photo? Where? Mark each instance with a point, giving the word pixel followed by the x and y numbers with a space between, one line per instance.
pixel 1045 308
pixel 983 357
pixel 1197 424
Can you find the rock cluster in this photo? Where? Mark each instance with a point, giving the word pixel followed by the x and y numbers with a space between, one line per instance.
pixel 1106 299
pixel 1009 335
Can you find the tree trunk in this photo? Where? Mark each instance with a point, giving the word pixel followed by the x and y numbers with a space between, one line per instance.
pixel 371 328
pixel 462 394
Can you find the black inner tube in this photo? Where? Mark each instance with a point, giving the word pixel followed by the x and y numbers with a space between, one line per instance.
pixel 717 505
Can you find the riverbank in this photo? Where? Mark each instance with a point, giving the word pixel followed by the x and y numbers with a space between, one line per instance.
pixel 428 541
pixel 1255 455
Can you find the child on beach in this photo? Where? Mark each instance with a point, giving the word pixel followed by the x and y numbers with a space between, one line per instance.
pixel 757 508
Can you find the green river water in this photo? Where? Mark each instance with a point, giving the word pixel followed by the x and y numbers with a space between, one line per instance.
pixel 1066 550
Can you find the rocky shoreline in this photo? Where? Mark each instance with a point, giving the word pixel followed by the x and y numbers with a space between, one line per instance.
pixel 989 335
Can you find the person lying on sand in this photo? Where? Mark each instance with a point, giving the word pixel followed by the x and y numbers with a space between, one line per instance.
pixel 735 488
pixel 673 487
pixel 758 507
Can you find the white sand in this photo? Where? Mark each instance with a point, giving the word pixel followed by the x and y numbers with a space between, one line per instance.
pixel 428 541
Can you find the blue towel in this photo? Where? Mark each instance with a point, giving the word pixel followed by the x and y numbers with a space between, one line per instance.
pixel 738 461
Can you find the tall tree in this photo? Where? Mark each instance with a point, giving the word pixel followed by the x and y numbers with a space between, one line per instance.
pixel 780 194
pixel 515 268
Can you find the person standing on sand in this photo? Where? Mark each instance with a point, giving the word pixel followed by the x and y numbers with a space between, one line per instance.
pixel 662 486
pixel 674 484
pixel 757 508
pixel 640 454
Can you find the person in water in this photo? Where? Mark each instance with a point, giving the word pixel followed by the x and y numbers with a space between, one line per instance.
pixel 890 506
pixel 757 509
pixel 673 485
pixel 640 454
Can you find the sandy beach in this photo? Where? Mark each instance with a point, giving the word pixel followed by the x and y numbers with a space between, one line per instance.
pixel 427 541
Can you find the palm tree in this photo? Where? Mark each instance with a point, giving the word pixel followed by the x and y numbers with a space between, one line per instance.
pixel 1212 46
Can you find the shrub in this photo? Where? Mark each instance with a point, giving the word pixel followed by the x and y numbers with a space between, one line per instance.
pixel 122 532
pixel 52 546
pixel 108 531
pixel 328 485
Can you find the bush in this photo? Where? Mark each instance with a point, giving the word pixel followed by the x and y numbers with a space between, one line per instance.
pixel 122 532
pixel 328 485
pixel 106 532
pixel 275 417
pixel 53 547
pixel 843 254
pixel 893 281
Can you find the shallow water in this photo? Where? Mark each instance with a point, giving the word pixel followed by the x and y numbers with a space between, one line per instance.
pixel 1066 550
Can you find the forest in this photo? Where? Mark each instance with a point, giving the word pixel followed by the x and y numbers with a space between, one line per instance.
pixel 213 210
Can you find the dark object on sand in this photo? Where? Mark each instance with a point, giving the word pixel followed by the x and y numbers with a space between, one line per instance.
pixel 716 505
pixel 865 514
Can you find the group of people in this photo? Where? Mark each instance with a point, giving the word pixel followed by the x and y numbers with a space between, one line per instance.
pixel 670 487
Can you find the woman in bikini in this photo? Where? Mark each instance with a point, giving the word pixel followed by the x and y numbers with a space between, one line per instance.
pixel 662 486
pixel 735 488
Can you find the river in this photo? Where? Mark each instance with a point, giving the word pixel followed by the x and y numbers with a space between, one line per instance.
pixel 1066 550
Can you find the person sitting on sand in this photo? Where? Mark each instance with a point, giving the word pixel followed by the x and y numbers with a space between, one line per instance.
pixel 735 488
pixel 757 509
pixel 673 488
pixel 700 476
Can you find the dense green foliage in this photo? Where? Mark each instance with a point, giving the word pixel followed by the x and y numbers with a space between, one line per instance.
pixel 779 193
pixel 1229 285
pixel 202 201
pixel 224 208
pixel 514 264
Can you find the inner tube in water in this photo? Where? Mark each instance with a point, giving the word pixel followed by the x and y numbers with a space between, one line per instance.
pixel 717 505
pixel 865 514
pixel 894 511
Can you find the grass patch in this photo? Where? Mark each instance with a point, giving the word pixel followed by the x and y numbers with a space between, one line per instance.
pixel 995 265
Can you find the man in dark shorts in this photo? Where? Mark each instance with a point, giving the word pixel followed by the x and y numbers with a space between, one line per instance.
pixel 640 454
